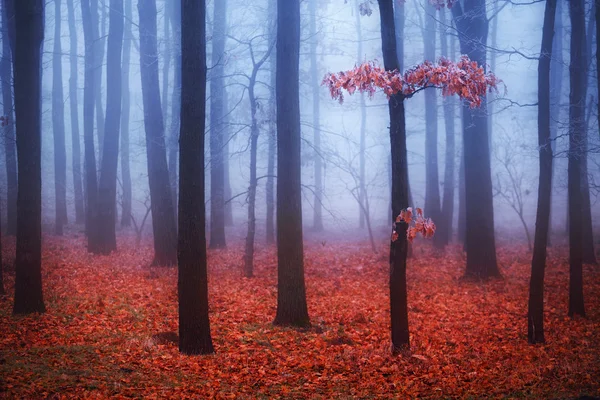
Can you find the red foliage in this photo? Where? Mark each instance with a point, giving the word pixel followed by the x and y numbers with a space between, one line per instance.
pixel 420 224
pixel 464 78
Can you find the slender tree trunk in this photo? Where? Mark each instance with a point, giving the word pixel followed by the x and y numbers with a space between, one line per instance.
pixel 316 111
pixel 9 129
pixel 58 127
pixel 577 99
pixel 480 242
pixel 227 185
pixel 249 253
pixel 125 113
pixel 163 215
pixel 194 325
pixel 99 29
pixel 444 224
pixel 493 56
pixel 398 248
pixel 363 127
pixel 74 112
pixel 432 186
pixel 291 291
pixel 217 128
pixel 166 63
pixel 107 186
pixel 91 180
pixel 535 317
pixel 173 135
pixel 272 140
pixel 29 38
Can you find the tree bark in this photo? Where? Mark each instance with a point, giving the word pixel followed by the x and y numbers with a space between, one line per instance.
pixel 107 186
pixel 194 325
pixel 254 131
pixel 74 112
pixel 125 114
pixel 166 64
pixel 9 129
pixel 173 138
pixel 163 215
pixel 399 247
pixel 291 292
pixel 316 118
pixel 272 140
pixel 2 291
pixel 29 38
pixel 58 127
pixel 217 128
pixel 535 317
pixel 577 72
pixel 99 35
pixel 444 223
pixel 472 27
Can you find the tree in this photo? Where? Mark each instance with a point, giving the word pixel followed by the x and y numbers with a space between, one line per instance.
pixel 173 139
pixel 472 26
pixel 2 292
pixel 125 111
pixel 194 326
pixel 91 179
pixel 163 214
pixel 74 112
pixel 107 186
pixel 8 128
pixel 29 36
pixel 291 292
pixel 58 127
pixel 578 78
pixel 272 139
pixel 535 312
pixel 217 128
pixel 99 40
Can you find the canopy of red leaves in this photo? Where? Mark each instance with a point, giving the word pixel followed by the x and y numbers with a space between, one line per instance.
pixel 464 78
pixel 101 336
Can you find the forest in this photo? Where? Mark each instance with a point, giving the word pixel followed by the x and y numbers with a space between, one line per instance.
pixel 293 199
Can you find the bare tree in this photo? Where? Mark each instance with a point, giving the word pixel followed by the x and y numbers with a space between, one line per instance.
pixel 125 111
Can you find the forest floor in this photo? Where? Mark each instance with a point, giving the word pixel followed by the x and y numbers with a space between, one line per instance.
pixel 103 334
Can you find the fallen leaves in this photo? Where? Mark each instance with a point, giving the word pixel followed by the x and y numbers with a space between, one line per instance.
pixel 111 325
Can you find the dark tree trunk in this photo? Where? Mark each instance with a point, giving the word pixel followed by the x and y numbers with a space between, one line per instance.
pixel 291 291
pixel 444 223
pixel 316 118
pixel 125 113
pixel 29 37
pixel 166 63
pixel 99 60
pixel 163 215
pixel 249 252
pixel 58 127
pixel 2 291
pixel 173 138
pixel 577 72
pixel 480 242
pixel 74 111
pixel 432 186
pixel 91 182
pixel 535 318
pixel 462 208
pixel 217 128
pixel 107 186
pixel 272 140
pixel 398 248
pixel 9 129
pixel 227 185
pixel 194 325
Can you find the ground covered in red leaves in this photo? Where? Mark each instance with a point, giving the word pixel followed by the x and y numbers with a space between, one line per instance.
pixel 105 333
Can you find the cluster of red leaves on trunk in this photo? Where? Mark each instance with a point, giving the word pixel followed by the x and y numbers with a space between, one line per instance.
pixel 464 78
pixel 417 223
pixel 365 7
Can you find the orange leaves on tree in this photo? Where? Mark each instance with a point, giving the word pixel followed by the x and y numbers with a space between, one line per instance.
pixel 464 78
pixel 416 222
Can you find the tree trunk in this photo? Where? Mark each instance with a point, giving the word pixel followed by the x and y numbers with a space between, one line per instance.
pixel 362 195
pixel 493 56
pixel 166 64
pixel 272 140
pixel 432 186
pixel 291 291
pixel 316 118
pixel 99 35
pixel 217 128
pixel 173 138
pixel 597 18
pixel 249 253
pixel 91 182
pixel 194 325
pixel 2 291
pixel 556 78
pixel 107 186
pixel 480 242
pixel 125 113
pixel 577 72
pixel 163 215
pixel 9 129
pixel 399 247
pixel 29 37
pixel 535 317
pixel 58 127
pixel 444 223
pixel 74 111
